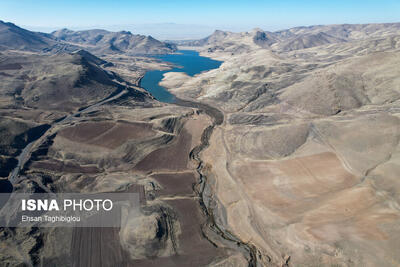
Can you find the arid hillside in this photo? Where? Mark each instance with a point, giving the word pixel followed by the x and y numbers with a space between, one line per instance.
pixel 286 155
pixel 71 121
pixel 304 167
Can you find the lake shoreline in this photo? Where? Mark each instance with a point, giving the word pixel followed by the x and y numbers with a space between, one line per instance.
pixel 186 61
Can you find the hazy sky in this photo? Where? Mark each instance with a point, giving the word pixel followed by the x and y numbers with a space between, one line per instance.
pixel 223 14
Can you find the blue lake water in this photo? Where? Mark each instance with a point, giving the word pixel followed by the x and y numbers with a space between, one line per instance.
pixel 187 61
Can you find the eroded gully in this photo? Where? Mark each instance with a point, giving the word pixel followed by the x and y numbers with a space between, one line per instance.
pixel 250 251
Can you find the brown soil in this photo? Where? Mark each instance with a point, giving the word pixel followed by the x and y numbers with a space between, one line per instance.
pixel 96 247
pixel 107 134
pixel 194 249
pixel 64 167
pixel 177 183
pixel 173 157
pixel 284 185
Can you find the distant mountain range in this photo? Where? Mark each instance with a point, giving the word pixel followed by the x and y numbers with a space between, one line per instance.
pixel 102 41
pixel 294 38
pixel 160 31
pixel 95 41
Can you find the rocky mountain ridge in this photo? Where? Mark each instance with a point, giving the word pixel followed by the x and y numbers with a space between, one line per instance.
pixel 95 41
pixel 296 38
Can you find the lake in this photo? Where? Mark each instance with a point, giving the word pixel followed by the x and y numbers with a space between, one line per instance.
pixel 187 61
